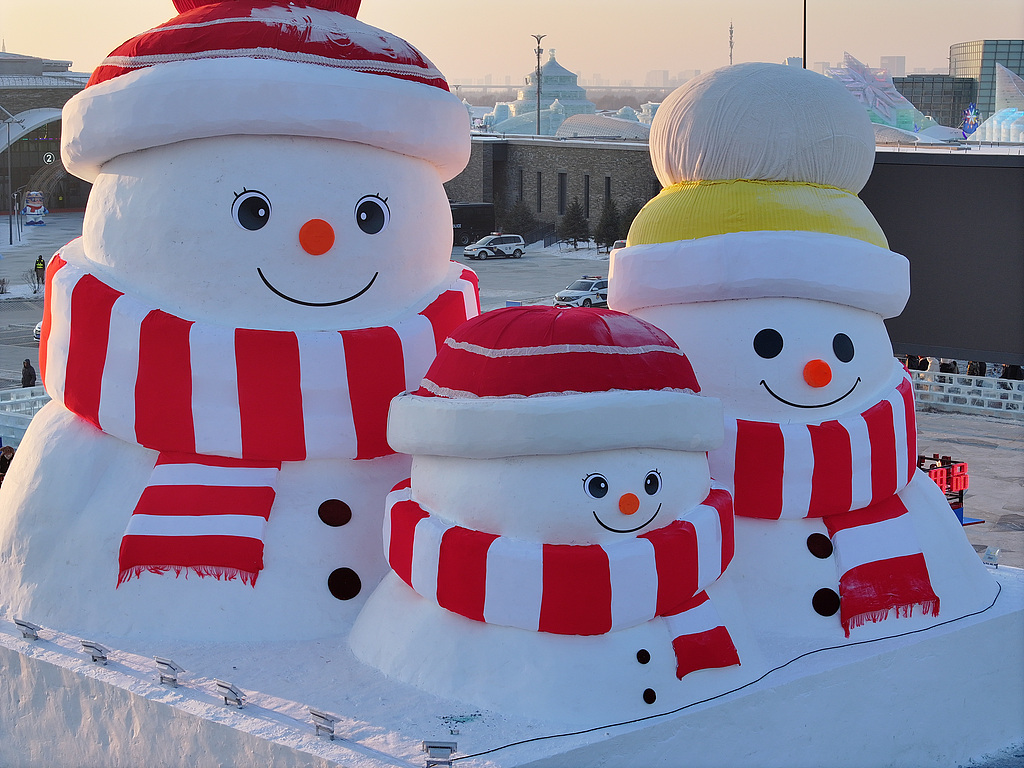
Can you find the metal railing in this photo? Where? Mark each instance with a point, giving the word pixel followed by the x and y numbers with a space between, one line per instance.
pixel 17 407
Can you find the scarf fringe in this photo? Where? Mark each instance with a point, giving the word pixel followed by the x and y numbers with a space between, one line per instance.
pixel 928 607
pixel 202 571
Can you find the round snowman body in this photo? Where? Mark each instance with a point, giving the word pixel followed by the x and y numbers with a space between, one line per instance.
pixel 766 359
pixel 211 230
pixel 565 499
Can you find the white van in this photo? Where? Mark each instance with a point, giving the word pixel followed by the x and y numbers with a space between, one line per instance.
pixel 509 246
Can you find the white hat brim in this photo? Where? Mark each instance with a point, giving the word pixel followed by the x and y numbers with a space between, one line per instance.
pixel 192 99
pixel 490 427
pixel 762 264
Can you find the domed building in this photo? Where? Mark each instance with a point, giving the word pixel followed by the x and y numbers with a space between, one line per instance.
pixel 560 97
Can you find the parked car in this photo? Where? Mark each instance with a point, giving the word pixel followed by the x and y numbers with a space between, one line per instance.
pixel 38 332
pixel 588 291
pixel 618 245
pixel 495 244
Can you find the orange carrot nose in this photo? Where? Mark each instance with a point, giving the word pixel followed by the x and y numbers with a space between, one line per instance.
pixel 316 237
pixel 628 503
pixel 817 373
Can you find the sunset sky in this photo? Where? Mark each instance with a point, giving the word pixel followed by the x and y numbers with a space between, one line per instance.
pixel 619 40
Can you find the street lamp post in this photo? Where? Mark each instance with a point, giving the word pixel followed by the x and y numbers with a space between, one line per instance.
pixel 9 192
pixel 536 77
pixel 805 35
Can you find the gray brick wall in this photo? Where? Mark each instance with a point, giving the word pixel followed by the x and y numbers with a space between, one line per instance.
pixel 493 174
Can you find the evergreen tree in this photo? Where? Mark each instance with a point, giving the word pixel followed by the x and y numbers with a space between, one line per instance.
pixel 574 226
pixel 628 214
pixel 519 219
pixel 607 230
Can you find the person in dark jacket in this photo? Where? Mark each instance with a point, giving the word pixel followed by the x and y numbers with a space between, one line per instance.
pixel 6 454
pixel 28 374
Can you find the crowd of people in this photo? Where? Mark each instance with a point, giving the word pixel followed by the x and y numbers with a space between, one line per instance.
pixel 974 368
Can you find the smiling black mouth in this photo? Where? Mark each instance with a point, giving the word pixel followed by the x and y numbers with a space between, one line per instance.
pixel 800 405
pixel 626 530
pixel 316 303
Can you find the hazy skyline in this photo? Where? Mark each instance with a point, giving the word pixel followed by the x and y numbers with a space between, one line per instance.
pixel 619 41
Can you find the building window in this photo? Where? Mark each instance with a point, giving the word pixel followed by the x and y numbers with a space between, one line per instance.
pixel 607 187
pixel 586 195
pixel 520 197
pixel 563 192
pixel 539 188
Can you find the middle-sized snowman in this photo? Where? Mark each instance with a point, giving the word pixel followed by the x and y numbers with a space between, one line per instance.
pixel 264 265
pixel 555 547
pixel 759 259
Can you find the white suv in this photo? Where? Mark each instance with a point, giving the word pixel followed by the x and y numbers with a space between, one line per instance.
pixel 588 291
pixel 509 246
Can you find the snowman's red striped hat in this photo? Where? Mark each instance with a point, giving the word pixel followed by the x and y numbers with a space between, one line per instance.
pixel 538 380
pixel 264 67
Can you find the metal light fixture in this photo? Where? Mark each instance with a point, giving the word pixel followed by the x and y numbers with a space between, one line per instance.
pixel 29 630
pixel 9 201
pixel 323 722
pixel 439 752
pixel 169 671
pixel 231 694
pixel 96 651
pixel 539 51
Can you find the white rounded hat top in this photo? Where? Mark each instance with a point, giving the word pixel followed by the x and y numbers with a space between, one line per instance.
pixel 763 121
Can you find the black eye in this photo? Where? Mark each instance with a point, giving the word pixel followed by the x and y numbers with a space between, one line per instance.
pixel 251 210
pixel 842 345
pixel 372 214
pixel 652 483
pixel 596 486
pixel 768 343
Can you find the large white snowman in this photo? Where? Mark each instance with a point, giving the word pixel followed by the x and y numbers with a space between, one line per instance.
pixel 264 265
pixel 761 262
pixel 555 547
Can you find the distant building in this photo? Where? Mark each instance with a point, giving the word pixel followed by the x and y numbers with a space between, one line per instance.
pixel 943 97
pixel 35 90
pixel 794 61
pixel 895 65
pixel 561 96
pixel 657 78
pixel 978 58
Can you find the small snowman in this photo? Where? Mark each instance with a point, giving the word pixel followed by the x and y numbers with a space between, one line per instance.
pixel 762 263
pixel 264 265
pixel 34 209
pixel 555 548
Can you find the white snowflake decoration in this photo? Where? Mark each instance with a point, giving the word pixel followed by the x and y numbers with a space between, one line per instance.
pixel 872 87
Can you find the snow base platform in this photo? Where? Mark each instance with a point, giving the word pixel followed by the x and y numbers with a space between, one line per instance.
pixel 944 696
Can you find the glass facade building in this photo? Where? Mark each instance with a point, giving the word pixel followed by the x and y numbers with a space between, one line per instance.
pixel 942 97
pixel 978 58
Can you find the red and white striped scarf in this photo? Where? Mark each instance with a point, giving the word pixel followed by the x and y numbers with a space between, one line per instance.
pixel 225 407
pixel 848 472
pixel 574 589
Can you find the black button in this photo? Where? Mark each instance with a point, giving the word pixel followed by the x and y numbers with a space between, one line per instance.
pixel 344 583
pixel 335 512
pixel 825 602
pixel 819 545
pixel 643 656
pixel 650 696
